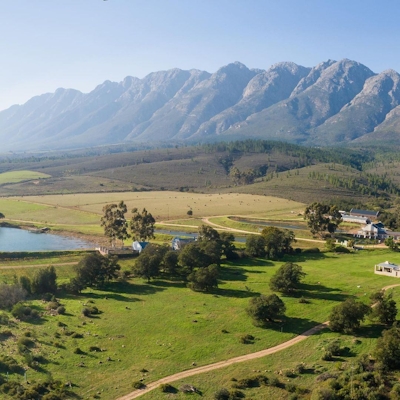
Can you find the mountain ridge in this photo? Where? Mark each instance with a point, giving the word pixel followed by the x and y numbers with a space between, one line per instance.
pixel 334 103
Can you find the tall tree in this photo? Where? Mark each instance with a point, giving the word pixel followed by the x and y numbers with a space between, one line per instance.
pixel 255 246
pixel 384 309
pixel 321 218
pixel 347 316
pixel 287 278
pixel 44 281
pixel 277 242
pixel 114 222
pixel 148 263
pixel 142 225
pixel 95 270
pixel 387 350
pixel 207 233
pixel 204 279
pixel 265 309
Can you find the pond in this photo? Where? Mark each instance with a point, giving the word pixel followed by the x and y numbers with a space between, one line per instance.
pixel 13 239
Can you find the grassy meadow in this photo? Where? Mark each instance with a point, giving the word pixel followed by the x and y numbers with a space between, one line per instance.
pixel 21 176
pixel 82 212
pixel 163 327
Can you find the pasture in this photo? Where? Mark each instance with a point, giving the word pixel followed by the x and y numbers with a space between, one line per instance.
pixel 163 327
pixel 21 176
pixel 86 209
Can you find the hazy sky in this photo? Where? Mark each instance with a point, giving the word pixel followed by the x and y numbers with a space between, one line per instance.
pixel 46 44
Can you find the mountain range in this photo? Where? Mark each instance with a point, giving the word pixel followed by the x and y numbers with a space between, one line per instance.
pixel 334 103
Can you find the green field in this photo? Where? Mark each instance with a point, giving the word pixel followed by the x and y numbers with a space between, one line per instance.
pixel 164 327
pixel 82 212
pixel 21 176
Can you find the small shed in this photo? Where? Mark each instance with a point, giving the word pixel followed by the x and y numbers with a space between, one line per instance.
pixel 388 269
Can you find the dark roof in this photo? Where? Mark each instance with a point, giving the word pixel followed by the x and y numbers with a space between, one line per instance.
pixel 364 213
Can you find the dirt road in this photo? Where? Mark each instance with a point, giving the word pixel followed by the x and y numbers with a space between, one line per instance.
pixel 210 367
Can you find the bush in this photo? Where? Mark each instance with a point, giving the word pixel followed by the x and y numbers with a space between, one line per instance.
pixel 61 310
pixel 311 250
pixel 11 295
pixel 291 387
pixel 247 339
pixel 167 388
pixel 94 348
pixel 21 311
pixel 25 341
pixel 138 385
pixel 300 368
pixel 53 305
pixel 341 249
pixel 78 351
pixel 303 300
pixel 222 394
pixel 77 335
pixel 4 319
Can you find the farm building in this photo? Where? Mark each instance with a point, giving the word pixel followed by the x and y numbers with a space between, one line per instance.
pixel 139 246
pixel 372 231
pixel 346 217
pixel 179 243
pixel 364 213
pixel 388 269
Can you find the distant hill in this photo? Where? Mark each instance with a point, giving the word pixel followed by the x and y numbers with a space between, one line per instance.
pixel 333 103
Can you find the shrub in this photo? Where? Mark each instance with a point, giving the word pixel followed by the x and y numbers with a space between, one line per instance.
pixel 53 305
pixel 300 368
pixel 311 250
pixel 274 381
pixel 167 388
pixel 138 385
pixel 327 356
pixel 303 300
pixel 77 335
pixel 25 341
pixel 222 394
pixel 20 311
pixel 291 387
pixel 78 351
pixel 6 333
pixel 4 319
pixel 94 348
pixel 10 295
pixel 61 310
pixel 247 339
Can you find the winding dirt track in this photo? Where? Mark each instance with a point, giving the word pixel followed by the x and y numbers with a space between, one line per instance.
pixel 235 360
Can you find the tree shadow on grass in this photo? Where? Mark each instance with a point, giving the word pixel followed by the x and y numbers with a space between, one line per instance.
pixel 319 292
pixel 293 325
pixel 228 273
pixel 168 283
pixel 249 262
pixel 370 331
pixel 233 293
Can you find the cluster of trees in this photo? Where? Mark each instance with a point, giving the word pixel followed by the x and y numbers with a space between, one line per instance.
pixel 370 184
pixel 273 243
pixel 116 226
pixel 347 316
pixel 304 155
pixel 94 270
pixel 197 262
pixel 42 282
pixel 265 309
pixel 322 218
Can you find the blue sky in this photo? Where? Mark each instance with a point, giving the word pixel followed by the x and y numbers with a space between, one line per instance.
pixel 46 44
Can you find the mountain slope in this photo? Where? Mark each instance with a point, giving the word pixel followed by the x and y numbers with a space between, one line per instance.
pixel 333 103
